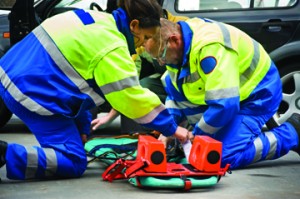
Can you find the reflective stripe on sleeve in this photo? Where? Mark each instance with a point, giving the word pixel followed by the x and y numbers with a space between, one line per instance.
pixel 255 59
pixel 206 127
pixel 180 105
pixel 226 35
pixel 151 116
pixel 193 119
pixel 120 85
pixel 254 62
pixel 222 93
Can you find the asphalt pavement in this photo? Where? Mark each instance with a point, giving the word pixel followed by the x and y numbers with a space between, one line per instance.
pixel 277 179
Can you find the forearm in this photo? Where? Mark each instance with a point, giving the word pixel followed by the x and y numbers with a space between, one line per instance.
pixel 113 114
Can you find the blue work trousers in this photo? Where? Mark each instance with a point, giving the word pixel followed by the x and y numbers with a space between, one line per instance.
pixel 60 154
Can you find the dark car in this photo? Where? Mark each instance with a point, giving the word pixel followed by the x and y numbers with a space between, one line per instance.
pixel 4 32
pixel 274 23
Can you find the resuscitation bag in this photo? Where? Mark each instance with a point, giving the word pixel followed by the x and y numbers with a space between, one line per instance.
pixel 145 163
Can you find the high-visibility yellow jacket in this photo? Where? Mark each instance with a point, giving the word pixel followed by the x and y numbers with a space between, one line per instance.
pixel 222 68
pixel 77 60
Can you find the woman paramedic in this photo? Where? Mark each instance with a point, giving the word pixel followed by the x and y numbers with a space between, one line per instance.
pixel 64 67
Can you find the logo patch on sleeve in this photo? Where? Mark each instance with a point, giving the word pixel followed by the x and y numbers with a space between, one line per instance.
pixel 208 64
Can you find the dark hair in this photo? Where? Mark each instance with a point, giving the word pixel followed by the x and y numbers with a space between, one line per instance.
pixel 148 12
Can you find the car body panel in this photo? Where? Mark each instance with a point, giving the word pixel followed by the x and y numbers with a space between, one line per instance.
pixel 271 30
pixel 4 29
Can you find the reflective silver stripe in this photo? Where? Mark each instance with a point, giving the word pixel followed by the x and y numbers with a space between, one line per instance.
pixel 163 81
pixel 254 62
pixel 171 104
pixel 150 116
pixel 193 119
pixel 222 93
pixel 32 162
pixel 65 66
pixel 20 97
pixel 273 145
pixel 206 127
pixel 180 105
pixel 173 76
pixel 51 161
pixel 226 35
pixel 227 41
pixel 258 149
pixel 192 77
pixel 120 85
pixel 187 104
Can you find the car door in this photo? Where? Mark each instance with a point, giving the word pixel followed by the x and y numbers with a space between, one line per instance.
pixel 271 22
pixel 5 5
pixel 22 19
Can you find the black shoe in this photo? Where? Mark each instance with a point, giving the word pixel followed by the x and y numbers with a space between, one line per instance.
pixel 295 121
pixel 3 148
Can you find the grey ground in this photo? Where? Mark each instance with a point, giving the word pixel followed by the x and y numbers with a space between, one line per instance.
pixel 273 179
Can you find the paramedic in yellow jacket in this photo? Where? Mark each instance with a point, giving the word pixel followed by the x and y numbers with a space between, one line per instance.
pixel 152 82
pixel 64 67
pixel 226 86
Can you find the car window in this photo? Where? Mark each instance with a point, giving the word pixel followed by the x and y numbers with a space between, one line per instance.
pixel 202 5
pixel 274 3
pixel 85 4
pixel 6 4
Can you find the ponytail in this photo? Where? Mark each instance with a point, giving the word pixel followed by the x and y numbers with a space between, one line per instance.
pixel 148 12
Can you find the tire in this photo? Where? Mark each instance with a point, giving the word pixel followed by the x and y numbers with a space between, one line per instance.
pixel 5 114
pixel 290 78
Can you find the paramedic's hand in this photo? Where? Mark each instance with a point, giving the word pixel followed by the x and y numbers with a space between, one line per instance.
pixel 104 120
pixel 181 134
pixel 164 139
pixel 191 136
pixel 99 122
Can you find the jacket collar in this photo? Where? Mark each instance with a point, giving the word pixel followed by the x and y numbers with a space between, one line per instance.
pixel 122 21
pixel 187 36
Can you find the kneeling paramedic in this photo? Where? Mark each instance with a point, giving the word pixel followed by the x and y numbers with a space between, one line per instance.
pixel 226 86
pixel 64 67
